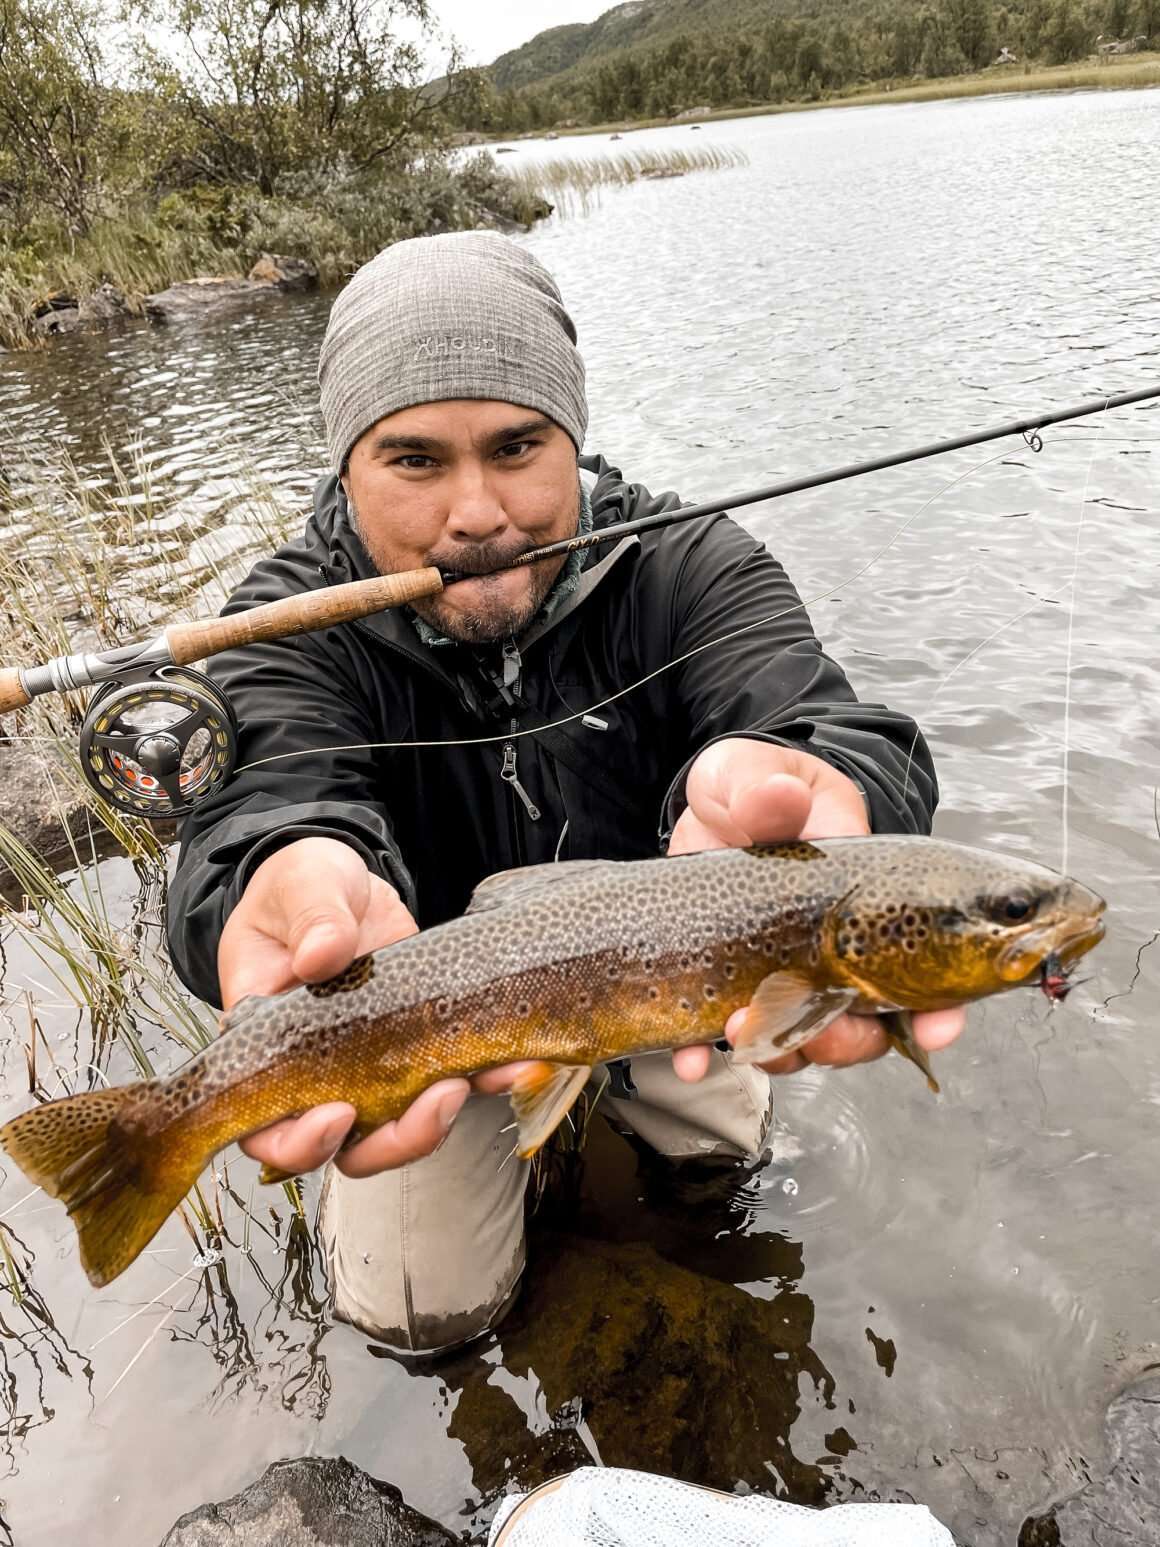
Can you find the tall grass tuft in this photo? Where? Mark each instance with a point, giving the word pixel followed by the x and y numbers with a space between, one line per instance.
pixel 574 183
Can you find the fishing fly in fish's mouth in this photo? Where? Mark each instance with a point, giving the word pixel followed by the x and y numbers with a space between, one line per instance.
pixel 1046 950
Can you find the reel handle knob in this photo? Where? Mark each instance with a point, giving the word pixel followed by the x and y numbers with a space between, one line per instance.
pixel 12 694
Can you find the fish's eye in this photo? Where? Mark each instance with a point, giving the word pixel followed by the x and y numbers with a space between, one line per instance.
pixel 1015 907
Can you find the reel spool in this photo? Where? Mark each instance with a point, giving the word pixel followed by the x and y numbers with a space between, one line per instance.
pixel 157 746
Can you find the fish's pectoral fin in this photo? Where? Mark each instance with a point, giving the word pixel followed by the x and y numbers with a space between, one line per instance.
pixel 899 1028
pixel 541 1097
pixel 270 1176
pixel 786 1011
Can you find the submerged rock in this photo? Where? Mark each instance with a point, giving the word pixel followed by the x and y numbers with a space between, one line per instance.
pixel 1123 1506
pixel 646 1364
pixel 315 1501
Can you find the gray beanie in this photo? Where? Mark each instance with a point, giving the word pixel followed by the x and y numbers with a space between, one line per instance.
pixel 466 315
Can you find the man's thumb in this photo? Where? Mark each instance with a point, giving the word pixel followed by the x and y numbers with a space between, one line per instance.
pixel 322 939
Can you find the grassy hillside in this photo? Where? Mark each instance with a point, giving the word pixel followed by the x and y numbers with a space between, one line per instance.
pixel 656 58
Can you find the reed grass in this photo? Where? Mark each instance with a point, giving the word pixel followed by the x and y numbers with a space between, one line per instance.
pixel 575 183
pixel 74 581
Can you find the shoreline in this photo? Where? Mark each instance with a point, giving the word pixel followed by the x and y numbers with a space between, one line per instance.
pixel 1127 72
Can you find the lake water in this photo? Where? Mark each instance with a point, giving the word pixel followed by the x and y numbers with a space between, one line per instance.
pixel 966 1280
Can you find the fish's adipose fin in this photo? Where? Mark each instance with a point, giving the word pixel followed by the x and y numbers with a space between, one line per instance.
pixel 786 1011
pixel 541 1097
pixel 270 1176
pixel 899 1028
pixel 119 1180
pixel 507 886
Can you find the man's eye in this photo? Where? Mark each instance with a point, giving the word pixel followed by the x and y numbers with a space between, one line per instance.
pixel 515 448
pixel 414 461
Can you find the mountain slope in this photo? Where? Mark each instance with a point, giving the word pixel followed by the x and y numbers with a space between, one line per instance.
pixel 636 21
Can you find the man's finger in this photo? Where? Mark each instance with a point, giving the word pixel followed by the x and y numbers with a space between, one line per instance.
pixel 250 962
pixel 322 941
pixel 421 1129
pixel 937 1029
pixel 494 1082
pixel 771 809
pixel 299 1144
pixel 691 1063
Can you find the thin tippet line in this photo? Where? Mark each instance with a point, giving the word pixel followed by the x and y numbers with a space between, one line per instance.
pixel 1066 760
pixel 709 644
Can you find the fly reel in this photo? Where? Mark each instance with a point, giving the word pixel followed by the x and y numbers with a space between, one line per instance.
pixel 157 745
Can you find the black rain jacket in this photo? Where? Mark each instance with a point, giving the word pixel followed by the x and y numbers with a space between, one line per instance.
pixel 435 820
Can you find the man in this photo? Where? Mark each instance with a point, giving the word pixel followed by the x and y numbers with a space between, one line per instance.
pixel 703 713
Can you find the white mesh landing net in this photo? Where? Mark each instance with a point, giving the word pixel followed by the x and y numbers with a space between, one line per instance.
pixel 610 1507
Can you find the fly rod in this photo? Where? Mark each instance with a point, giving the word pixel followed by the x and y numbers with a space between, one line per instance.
pixel 158 736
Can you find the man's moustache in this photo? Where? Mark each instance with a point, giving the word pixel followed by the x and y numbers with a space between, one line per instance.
pixel 479 560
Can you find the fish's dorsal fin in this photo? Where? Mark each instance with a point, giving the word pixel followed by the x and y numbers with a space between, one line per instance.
pixel 786 1011
pixel 541 1096
pixel 518 885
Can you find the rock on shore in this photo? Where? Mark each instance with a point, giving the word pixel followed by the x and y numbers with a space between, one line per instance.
pixel 309 1502
pixel 36 808
pixel 270 275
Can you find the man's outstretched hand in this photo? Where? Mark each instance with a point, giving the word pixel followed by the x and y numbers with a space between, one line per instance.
pixel 741 792
pixel 307 912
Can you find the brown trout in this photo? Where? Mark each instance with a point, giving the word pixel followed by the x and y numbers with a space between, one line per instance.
pixel 568 965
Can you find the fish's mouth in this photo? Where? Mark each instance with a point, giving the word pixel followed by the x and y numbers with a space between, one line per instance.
pixel 1047 952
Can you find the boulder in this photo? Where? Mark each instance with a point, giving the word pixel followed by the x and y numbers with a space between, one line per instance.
pixel 1122 1506
pixel 203 297
pixel 105 303
pixel 284 273
pixel 272 274
pixel 315 1501
pixel 51 323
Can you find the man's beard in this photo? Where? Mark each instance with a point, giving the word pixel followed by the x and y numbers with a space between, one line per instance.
pixel 483 624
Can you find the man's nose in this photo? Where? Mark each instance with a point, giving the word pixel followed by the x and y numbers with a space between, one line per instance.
pixel 475 513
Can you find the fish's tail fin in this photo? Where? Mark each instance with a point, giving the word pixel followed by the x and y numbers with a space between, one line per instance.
pixel 108 1171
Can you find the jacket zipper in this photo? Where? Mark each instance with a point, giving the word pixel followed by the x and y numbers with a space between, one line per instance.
pixel 508 770
pixel 509 775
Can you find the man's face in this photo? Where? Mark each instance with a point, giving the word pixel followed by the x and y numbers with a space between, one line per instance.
pixel 467 485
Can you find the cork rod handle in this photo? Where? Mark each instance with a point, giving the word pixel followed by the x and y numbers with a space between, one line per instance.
pixel 12 695
pixel 297 614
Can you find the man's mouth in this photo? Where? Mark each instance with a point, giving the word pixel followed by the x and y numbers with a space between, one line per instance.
pixel 479 565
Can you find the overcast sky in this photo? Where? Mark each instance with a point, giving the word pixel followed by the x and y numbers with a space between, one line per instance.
pixel 487 28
